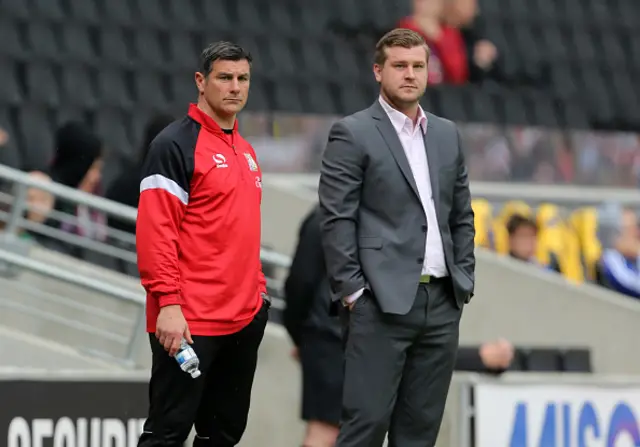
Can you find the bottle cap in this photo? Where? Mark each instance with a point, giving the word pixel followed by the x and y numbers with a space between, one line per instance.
pixel 195 374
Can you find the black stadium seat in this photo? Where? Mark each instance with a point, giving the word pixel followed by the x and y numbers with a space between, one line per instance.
pixel 569 63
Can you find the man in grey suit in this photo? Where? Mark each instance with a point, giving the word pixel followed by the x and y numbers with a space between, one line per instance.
pixel 397 230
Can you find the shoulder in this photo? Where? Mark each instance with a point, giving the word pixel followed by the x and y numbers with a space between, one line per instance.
pixel 441 123
pixel 179 137
pixel 354 123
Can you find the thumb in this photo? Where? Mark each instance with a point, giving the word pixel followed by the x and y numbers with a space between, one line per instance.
pixel 187 335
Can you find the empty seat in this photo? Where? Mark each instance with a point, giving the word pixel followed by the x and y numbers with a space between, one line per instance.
pixel 42 86
pixel 182 51
pixel 150 13
pixel 14 8
pixel 217 17
pixel 111 126
pixel 183 91
pixel 288 97
pixel 10 42
pixel 77 87
pixel 320 99
pixel 576 360
pixel 282 57
pixel 43 41
pixel 48 9
pixel 259 98
pixel 542 360
pixel 84 11
pixel 112 89
pixel 150 93
pixel 36 134
pixel 183 15
pixel 10 91
pixel 117 13
pixel 113 47
pixel 148 51
pixel 78 44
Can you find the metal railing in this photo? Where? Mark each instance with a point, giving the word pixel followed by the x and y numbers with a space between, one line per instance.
pixel 123 249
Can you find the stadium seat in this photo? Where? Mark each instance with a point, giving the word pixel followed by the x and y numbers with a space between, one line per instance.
pixel 10 91
pixel 576 360
pixel 542 360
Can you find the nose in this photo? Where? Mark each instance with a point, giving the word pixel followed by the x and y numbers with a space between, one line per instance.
pixel 235 85
pixel 410 74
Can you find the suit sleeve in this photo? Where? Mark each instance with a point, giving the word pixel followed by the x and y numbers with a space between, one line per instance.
pixel 305 275
pixel 341 177
pixel 164 194
pixel 461 219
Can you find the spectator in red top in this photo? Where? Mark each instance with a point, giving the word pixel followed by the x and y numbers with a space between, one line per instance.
pixel 448 61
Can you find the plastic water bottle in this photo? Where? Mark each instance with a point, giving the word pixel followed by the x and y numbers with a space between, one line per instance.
pixel 187 359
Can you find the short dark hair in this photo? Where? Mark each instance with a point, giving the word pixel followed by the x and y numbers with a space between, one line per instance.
pixel 399 37
pixel 518 221
pixel 223 50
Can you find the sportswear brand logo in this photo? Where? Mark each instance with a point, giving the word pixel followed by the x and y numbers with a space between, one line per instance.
pixel 253 166
pixel 220 161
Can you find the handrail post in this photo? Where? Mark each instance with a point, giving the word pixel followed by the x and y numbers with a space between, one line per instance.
pixel 136 336
pixel 17 208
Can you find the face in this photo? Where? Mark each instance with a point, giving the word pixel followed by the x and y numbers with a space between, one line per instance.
pixel 523 243
pixel 428 8
pixel 92 178
pixel 226 88
pixel 461 12
pixel 403 77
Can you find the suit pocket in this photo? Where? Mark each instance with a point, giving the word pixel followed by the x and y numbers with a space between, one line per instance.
pixel 374 243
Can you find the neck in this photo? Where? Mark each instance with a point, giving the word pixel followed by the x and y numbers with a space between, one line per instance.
pixel 225 122
pixel 409 110
pixel 429 25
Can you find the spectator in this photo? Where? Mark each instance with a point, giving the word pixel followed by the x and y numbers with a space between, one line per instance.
pixel 448 60
pixel 619 265
pixel 77 163
pixel 125 188
pixel 316 335
pixel 492 357
pixel 481 53
pixel 523 237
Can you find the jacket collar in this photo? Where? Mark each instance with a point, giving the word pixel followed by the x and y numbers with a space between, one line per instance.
pixel 205 120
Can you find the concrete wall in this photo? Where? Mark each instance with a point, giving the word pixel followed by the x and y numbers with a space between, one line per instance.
pixel 531 306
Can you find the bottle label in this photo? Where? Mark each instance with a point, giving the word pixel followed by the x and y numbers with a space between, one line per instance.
pixel 185 355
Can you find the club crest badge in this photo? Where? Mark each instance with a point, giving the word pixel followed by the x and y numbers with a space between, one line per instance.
pixel 253 166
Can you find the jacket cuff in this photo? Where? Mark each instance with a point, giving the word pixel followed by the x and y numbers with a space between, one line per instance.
pixel 169 300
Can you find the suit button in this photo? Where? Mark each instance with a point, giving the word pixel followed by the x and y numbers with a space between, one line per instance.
pixel 420 260
pixel 424 228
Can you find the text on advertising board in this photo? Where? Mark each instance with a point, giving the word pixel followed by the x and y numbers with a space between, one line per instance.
pixel 557 416
pixel 81 432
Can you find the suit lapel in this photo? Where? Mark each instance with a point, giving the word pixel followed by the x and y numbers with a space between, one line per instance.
pixel 386 129
pixel 431 146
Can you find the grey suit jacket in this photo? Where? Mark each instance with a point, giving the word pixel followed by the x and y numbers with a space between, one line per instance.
pixel 373 224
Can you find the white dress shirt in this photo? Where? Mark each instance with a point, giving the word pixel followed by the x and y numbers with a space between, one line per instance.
pixel 412 139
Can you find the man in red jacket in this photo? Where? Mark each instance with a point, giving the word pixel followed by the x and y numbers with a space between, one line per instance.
pixel 198 243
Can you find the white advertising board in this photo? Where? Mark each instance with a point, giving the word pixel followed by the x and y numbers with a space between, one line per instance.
pixel 538 415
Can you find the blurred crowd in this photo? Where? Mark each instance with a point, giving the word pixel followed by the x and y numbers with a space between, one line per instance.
pixel 600 245
pixel 79 162
pixel 459 53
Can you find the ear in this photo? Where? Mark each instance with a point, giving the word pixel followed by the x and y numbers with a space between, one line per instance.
pixel 200 81
pixel 377 72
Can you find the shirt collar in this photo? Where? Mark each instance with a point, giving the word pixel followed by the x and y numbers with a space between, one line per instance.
pixel 399 120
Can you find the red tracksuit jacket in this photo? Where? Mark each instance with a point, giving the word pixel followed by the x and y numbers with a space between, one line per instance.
pixel 198 227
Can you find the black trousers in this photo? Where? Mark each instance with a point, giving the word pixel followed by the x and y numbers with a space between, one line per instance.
pixel 217 402
pixel 398 369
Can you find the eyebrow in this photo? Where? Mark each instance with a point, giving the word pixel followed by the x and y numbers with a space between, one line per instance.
pixel 226 73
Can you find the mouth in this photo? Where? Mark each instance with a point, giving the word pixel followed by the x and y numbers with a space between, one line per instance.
pixel 234 100
pixel 410 87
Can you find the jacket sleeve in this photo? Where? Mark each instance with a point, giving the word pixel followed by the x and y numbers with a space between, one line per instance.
pixel 164 195
pixel 339 190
